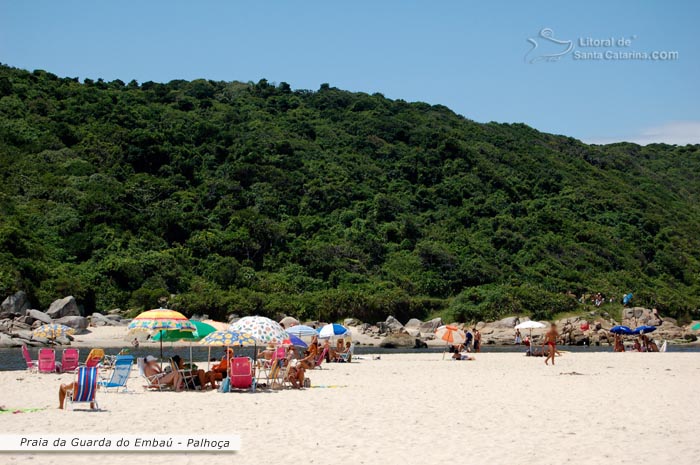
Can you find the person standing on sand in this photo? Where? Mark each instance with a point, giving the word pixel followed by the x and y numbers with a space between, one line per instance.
pixel 477 340
pixel 550 339
pixel 518 337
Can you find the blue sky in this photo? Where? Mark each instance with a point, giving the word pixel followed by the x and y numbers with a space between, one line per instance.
pixel 467 55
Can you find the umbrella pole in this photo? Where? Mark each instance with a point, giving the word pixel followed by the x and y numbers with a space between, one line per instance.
pixel 208 359
pixel 161 349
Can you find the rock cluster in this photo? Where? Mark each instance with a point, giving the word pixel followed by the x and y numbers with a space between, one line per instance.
pixel 18 320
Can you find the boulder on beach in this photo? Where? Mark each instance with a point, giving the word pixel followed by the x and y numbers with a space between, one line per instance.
pixel 393 325
pixel 37 315
pixel 396 340
pixel 7 341
pixel 429 327
pixel 15 303
pixel 79 323
pixel 63 307
pixel 351 322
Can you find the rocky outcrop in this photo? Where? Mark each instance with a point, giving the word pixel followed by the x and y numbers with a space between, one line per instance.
pixel 427 328
pixel 399 340
pixel 37 315
pixel 351 322
pixel 63 307
pixel 16 303
pixel 79 323
pixel 393 325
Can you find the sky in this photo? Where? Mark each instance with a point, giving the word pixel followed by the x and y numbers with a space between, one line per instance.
pixel 473 57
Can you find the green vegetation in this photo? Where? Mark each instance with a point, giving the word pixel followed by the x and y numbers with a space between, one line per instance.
pixel 254 198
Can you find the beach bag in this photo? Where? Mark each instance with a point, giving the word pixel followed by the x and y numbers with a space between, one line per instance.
pixel 225 385
pixel 307 383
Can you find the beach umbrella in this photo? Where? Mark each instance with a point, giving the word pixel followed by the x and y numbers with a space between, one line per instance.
pixel 226 338
pixel 263 330
pixel 530 324
pixel 644 329
pixel 302 331
pixel 218 325
pixel 52 331
pixel 623 330
pixel 452 335
pixel 201 329
pixel 161 320
pixel 289 321
pixel 330 330
pixel 295 341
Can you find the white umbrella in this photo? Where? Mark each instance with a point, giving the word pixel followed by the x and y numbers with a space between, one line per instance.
pixel 530 324
pixel 302 331
pixel 452 335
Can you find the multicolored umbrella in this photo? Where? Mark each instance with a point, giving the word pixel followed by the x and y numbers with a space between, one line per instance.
pixel 228 338
pixel 52 331
pixel 330 330
pixel 161 320
pixel 201 330
pixel 263 330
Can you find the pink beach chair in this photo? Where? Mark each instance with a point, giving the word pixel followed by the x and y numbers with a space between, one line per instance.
pixel 70 359
pixel 31 364
pixel 47 361
pixel 321 358
pixel 241 374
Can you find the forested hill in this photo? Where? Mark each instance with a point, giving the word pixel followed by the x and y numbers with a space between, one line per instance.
pixel 256 198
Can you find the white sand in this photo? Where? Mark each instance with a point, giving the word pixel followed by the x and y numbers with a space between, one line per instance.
pixel 408 409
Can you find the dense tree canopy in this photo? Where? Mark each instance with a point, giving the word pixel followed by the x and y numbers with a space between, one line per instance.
pixel 256 198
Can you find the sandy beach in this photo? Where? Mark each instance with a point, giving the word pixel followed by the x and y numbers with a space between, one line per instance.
pixel 407 409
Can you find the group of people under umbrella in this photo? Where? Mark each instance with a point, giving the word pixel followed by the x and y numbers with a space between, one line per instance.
pixel 641 343
pixel 280 346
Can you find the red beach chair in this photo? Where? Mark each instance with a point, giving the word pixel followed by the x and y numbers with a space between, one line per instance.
pixel 241 374
pixel 31 364
pixel 47 361
pixel 70 359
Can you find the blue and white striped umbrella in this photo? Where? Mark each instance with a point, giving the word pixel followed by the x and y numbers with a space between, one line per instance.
pixel 302 331
pixel 333 329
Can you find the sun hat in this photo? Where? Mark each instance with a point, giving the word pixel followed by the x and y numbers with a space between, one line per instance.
pixel 150 358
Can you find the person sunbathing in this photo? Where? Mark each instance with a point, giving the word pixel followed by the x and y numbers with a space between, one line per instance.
pixel 462 356
pixel 220 370
pixel 63 391
pixel 199 378
pixel 296 370
pixel 158 377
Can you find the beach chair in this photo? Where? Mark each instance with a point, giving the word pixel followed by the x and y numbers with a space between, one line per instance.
pixel 188 377
pixel 94 357
pixel 120 374
pixel 347 356
pixel 70 359
pixel 140 364
pixel 47 361
pixel 240 374
pixel 32 366
pixel 85 389
pixel 321 358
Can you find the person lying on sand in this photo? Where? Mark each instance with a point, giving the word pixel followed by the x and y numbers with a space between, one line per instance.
pixel 462 356
pixel 158 378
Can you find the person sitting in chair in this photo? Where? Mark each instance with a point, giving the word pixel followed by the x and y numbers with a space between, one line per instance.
pixel 158 377
pixel 199 377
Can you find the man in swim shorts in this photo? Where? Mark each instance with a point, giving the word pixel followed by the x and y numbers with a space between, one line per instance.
pixel 550 339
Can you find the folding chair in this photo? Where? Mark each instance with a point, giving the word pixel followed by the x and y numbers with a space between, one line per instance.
pixel 120 374
pixel 85 389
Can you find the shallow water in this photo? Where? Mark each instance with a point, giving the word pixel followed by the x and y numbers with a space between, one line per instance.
pixel 11 359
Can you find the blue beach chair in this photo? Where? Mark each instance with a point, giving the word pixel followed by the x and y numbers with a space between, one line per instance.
pixel 121 369
pixel 86 387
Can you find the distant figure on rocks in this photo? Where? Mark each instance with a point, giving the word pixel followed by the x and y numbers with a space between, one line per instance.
pixel 550 339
